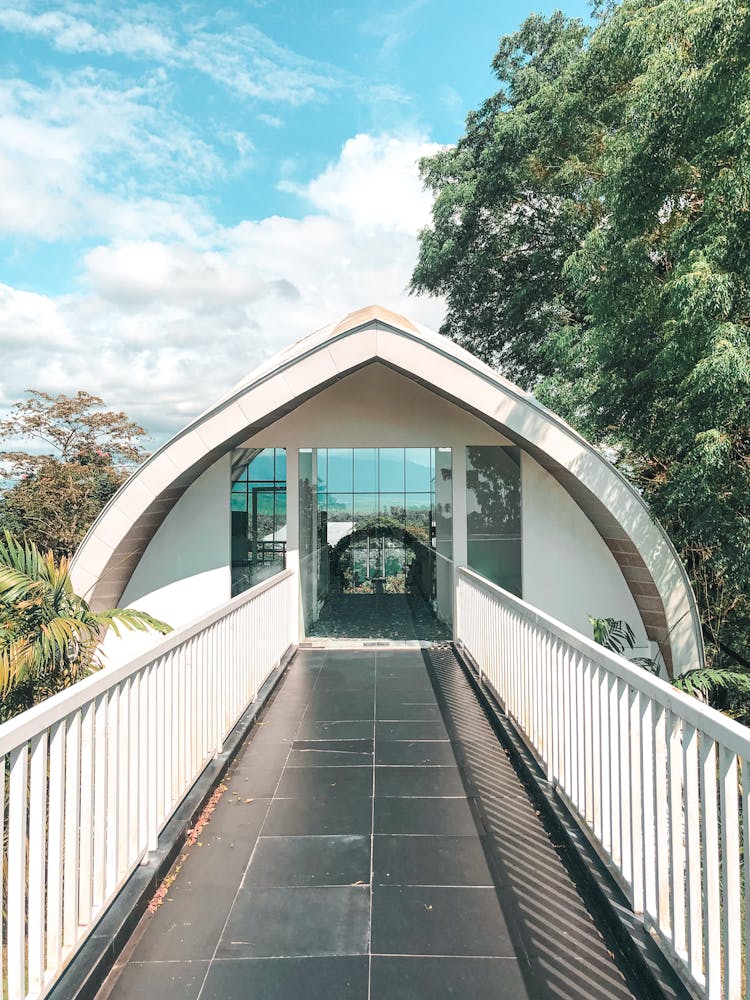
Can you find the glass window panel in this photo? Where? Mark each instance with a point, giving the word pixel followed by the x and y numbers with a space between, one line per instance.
pixel 280 463
pixel 418 470
pixel 418 520
pixel 321 462
pixel 280 513
pixel 392 507
pixel 394 560
pixel 365 470
pixel 365 509
pixel 262 514
pixel 493 518
pixel 493 480
pixel 391 470
pixel 261 467
pixel 340 507
pixel 418 501
pixel 443 461
pixel 340 470
pixel 306 465
pixel 499 560
pixel 258 504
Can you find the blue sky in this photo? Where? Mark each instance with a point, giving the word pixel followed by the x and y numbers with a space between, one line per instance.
pixel 185 188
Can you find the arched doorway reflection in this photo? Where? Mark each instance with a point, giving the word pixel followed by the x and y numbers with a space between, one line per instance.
pixel 376 542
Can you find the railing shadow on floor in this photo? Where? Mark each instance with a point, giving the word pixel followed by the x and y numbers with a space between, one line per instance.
pixel 562 953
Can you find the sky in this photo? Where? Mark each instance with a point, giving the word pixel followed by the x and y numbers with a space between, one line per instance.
pixel 186 188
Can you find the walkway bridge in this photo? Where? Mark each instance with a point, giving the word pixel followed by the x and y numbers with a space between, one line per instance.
pixel 371 837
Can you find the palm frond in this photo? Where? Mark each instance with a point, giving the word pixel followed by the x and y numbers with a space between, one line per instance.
pixel 132 619
pixel 614 634
pixel 49 636
pixel 706 681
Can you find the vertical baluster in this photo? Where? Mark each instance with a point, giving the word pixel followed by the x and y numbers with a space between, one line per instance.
pixel 580 735
pixel 612 776
pixel 171 733
pixel 537 693
pixel 101 780
pixel 710 867
pixel 675 769
pixel 661 784
pixel 154 756
pixel 146 761
pixel 55 840
pixel 567 735
pixel 113 788
pixel 648 824
pixel 16 920
pixel 731 938
pixel 626 785
pixel 192 748
pixel 693 851
pixel 588 743
pixel 601 752
pixel 72 829
pixel 636 801
pixel 181 736
pixel 37 855
pixel 134 803
pixel 553 709
pixel 550 706
pixel 124 777
pixel 85 868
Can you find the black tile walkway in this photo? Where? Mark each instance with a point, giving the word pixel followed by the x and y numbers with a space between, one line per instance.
pixel 400 617
pixel 347 859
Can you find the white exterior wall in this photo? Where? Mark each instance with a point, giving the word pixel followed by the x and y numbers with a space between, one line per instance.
pixel 567 569
pixel 376 407
pixel 186 568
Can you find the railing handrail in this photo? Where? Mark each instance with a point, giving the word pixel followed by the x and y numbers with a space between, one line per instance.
pixel 26 725
pixel 734 735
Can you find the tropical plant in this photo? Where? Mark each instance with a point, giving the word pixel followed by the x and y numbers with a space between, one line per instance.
pixel 617 636
pixel 49 636
pixel 724 688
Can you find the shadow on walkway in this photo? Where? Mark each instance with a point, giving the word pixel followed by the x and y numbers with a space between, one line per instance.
pixel 345 860
pixel 385 616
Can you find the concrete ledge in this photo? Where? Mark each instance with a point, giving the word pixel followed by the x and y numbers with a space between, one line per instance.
pixel 650 975
pixel 84 975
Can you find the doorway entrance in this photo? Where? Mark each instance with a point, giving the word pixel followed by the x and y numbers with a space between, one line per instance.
pixel 376 542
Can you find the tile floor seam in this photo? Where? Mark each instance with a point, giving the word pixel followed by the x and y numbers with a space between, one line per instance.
pixel 372 821
pixel 255 845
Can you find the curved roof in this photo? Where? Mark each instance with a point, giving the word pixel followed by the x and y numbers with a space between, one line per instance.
pixel 113 547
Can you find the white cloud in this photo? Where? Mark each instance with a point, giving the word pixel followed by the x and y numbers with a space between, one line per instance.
pixel 374 184
pixel 70 153
pixel 238 56
pixel 163 327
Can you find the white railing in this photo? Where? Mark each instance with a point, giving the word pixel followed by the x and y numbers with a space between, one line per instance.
pixel 659 782
pixel 92 775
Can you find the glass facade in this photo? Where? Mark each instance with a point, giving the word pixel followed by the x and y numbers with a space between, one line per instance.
pixel 374 520
pixel 493 514
pixel 258 511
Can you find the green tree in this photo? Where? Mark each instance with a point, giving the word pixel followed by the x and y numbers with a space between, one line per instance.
pixel 591 234
pixel 49 637
pixel 55 495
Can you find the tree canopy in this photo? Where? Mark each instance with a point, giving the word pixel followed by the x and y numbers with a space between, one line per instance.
pixel 591 233
pixel 81 454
